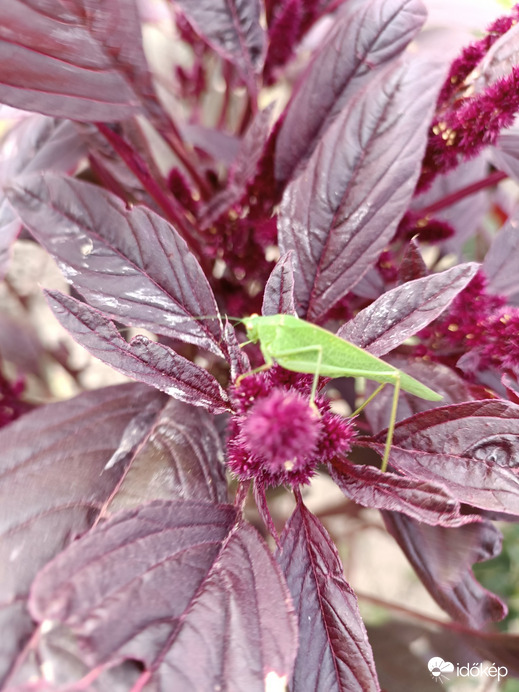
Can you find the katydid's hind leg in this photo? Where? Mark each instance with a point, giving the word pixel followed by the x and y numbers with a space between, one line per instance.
pixel 392 420
pixel 370 398
pixel 396 383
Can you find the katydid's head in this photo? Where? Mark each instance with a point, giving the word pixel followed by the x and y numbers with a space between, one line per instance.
pixel 251 326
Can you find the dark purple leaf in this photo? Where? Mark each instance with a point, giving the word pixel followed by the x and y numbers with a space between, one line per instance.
pixel 497 61
pixel 157 556
pixel 472 449
pixel 505 155
pixel 368 486
pixel 81 60
pixel 256 613
pixel 19 344
pixel 232 27
pixel 500 263
pixel 443 560
pixel 35 143
pixel 217 144
pixel 54 484
pixel 403 311
pixel 278 297
pixel 181 459
pixel 412 266
pixel 141 358
pixel 371 285
pixel 171 565
pixel 363 38
pixel 236 356
pixel 131 264
pixel 334 652
pixel 343 209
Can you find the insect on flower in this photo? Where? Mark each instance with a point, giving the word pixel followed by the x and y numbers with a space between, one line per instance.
pixel 300 346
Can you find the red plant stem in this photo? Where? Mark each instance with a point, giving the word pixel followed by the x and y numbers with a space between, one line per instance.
pixel 445 624
pixel 447 201
pixel 170 133
pixel 177 146
pixel 246 116
pixel 228 74
pixel 139 168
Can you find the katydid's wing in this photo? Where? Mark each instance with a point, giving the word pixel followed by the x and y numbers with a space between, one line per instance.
pixel 303 347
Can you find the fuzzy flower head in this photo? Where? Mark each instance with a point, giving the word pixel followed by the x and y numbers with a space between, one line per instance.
pixel 276 436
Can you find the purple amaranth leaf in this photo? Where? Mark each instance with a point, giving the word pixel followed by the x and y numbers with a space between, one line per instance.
pixel 174 543
pixel 371 285
pixel 443 560
pixel 53 486
pixel 142 359
pixel 471 448
pixel 412 266
pixel 504 155
pixel 342 210
pixel 21 345
pixel 403 311
pixel 500 263
pixel 238 360
pixel 257 615
pixel 362 39
pixel 278 297
pixel 330 625
pixel 428 502
pixel 83 60
pixel 496 63
pixel 242 169
pixel 232 27
pixel 171 564
pixel 181 459
pixel 131 264
pixel 36 143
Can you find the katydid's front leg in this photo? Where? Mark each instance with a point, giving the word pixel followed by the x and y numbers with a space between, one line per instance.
pixel 317 349
pixel 266 366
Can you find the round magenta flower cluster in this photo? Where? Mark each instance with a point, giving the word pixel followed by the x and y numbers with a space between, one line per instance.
pixel 277 437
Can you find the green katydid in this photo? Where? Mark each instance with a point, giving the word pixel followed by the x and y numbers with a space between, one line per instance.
pixel 303 347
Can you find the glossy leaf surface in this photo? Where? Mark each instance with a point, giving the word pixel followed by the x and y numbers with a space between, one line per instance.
pixel 187 552
pixel 340 212
pixel 469 448
pixel 329 620
pixel 131 264
pixel 141 358
pixel 232 27
pixel 81 60
pixel 403 311
pixel 278 297
pixel 54 485
pixel 364 37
